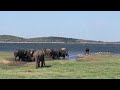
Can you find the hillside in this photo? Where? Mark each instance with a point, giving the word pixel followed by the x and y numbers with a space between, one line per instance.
pixel 10 38
pixel 52 39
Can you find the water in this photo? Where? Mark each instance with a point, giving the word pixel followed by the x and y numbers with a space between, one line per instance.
pixel 74 49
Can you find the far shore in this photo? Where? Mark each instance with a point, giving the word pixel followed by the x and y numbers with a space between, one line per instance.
pixel 31 42
pixel 66 43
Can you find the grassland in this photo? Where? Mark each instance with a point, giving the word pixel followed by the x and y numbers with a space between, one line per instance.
pixel 86 67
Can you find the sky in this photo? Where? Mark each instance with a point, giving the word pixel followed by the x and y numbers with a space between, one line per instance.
pixel 89 25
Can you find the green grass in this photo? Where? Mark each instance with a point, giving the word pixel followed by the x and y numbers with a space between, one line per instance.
pixel 93 68
pixel 6 55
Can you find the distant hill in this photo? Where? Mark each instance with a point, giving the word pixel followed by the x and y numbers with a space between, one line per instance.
pixel 10 38
pixel 52 39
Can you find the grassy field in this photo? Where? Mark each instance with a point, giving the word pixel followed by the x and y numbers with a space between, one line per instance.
pixel 87 67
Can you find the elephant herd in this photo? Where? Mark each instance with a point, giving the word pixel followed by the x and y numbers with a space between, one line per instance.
pixel 39 55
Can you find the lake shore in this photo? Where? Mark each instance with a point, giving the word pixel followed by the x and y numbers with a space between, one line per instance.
pixel 77 57
pixel 96 56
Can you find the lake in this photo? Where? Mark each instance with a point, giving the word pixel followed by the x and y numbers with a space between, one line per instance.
pixel 74 49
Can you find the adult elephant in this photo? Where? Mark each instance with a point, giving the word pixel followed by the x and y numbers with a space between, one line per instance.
pixel 29 55
pixel 24 55
pixel 64 52
pixel 48 52
pixel 55 53
pixel 39 57
pixel 21 54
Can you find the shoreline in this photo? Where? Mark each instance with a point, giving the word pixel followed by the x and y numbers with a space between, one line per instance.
pixel 91 54
pixel 31 42
pixel 61 42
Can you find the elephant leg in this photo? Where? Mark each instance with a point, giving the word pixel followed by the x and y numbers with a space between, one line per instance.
pixel 58 57
pixel 39 63
pixel 64 56
pixel 42 62
pixel 53 57
pixel 36 63
pixel 20 59
pixel 33 59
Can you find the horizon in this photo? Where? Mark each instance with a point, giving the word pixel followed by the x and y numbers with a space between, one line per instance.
pixel 35 37
pixel 86 25
pixel 59 37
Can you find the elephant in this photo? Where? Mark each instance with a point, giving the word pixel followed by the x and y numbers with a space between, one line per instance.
pixel 48 52
pixel 29 55
pixel 39 57
pixel 24 55
pixel 21 54
pixel 64 52
pixel 55 53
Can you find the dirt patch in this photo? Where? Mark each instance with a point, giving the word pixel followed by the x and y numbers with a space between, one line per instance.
pixel 11 64
pixel 6 61
pixel 9 61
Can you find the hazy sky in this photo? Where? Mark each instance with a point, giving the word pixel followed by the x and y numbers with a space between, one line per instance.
pixel 90 25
